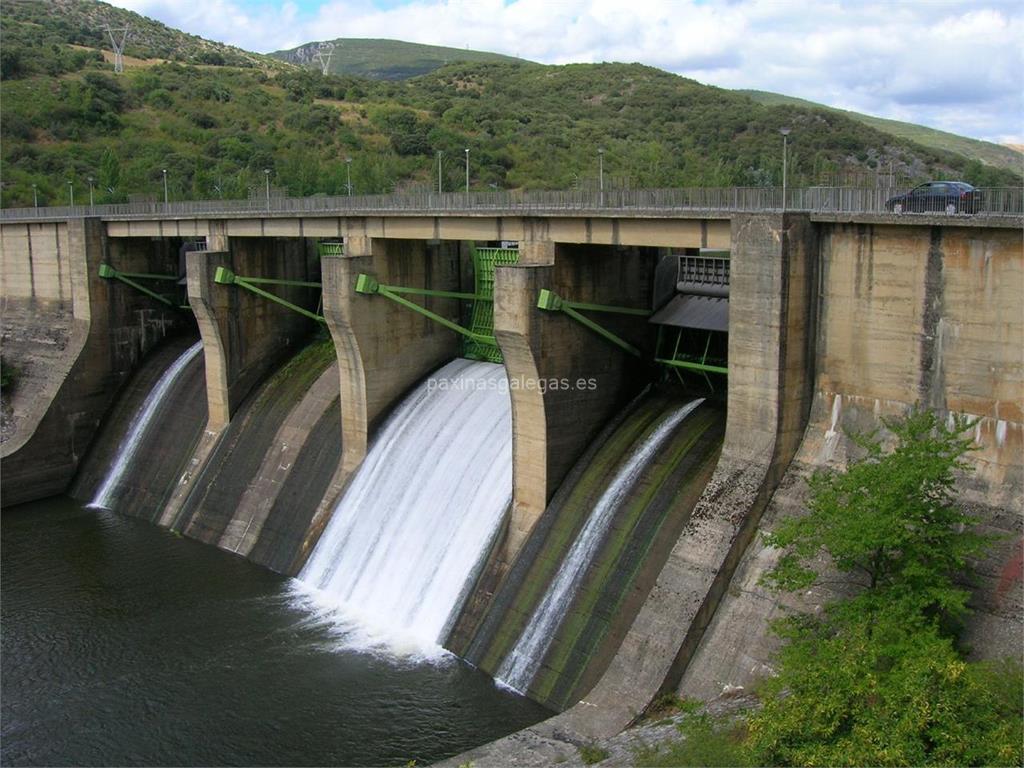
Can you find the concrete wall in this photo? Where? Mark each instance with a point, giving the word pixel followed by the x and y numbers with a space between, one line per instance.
pixel 565 379
pixel 674 232
pixel 383 348
pixel 41 336
pixel 245 335
pixel 112 326
pixel 907 315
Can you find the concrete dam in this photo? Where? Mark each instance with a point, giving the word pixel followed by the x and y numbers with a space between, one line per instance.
pixel 545 441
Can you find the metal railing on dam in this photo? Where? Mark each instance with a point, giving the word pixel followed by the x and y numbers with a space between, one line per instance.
pixel 714 201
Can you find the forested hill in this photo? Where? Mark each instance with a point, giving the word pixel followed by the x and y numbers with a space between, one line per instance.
pixel 29 24
pixel 384 59
pixel 67 117
pixel 999 155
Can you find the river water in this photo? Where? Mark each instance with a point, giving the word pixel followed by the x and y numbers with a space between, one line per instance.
pixel 124 644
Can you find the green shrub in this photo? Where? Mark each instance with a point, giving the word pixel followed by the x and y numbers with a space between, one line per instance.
pixel 590 753
pixel 705 741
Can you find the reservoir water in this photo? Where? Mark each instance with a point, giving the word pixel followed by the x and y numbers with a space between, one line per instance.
pixel 124 644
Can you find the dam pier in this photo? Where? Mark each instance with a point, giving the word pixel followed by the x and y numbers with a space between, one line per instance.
pixel 542 436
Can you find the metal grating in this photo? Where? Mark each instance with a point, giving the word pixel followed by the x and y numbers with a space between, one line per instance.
pixel 330 249
pixel 485 261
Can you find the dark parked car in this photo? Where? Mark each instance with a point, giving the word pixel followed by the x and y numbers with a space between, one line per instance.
pixel 941 196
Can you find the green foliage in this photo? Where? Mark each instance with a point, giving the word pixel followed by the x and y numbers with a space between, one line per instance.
pixel 216 127
pixel 890 521
pixel 876 679
pixel 387 59
pixel 705 741
pixel 884 691
pixel 988 156
pixel 591 754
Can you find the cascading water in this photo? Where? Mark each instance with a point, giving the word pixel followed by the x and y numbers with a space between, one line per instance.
pixel 520 665
pixel 137 429
pixel 419 515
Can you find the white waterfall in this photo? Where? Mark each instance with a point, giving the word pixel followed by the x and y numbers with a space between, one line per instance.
pixel 521 663
pixel 139 424
pixel 418 517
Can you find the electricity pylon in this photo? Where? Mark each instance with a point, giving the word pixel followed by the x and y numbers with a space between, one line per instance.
pixel 118 46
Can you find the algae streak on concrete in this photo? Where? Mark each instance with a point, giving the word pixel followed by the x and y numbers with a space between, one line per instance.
pixel 234 502
pixel 908 315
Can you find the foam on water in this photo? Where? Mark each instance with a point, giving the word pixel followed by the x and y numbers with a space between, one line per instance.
pixel 394 564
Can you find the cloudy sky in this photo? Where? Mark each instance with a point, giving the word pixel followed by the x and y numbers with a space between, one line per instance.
pixel 951 65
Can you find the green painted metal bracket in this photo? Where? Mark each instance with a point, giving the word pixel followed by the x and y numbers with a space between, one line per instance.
pixel 704 367
pixel 368 285
pixel 552 302
pixel 130 278
pixel 225 276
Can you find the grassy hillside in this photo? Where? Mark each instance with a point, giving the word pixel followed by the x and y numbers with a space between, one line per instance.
pixel 31 25
pixel 215 128
pixel 986 152
pixel 386 59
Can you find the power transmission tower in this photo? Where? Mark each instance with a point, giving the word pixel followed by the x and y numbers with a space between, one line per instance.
pixel 118 46
pixel 323 54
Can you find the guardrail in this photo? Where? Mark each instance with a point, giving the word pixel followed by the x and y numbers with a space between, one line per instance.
pixel 725 200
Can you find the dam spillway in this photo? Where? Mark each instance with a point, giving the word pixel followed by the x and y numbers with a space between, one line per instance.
pixel 163 405
pixel 141 422
pixel 521 663
pixel 634 489
pixel 415 524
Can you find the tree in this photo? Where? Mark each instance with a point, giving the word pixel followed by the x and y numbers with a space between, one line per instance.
pixel 876 678
pixel 890 523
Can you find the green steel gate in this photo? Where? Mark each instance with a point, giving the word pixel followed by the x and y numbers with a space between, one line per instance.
pixel 485 260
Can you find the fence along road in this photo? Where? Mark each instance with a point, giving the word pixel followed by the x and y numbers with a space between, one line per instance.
pixel 714 202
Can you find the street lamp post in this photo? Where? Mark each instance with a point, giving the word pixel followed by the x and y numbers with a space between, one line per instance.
pixel 467 170
pixel 71 192
pixel 600 172
pixel 35 196
pixel 266 176
pixel 166 196
pixel 348 175
pixel 91 180
pixel 785 137
pixel 439 171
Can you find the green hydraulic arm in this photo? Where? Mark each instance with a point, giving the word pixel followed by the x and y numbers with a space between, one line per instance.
pixel 225 276
pixel 552 302
pixel 131 278
pixel 479 342
pixel 368 285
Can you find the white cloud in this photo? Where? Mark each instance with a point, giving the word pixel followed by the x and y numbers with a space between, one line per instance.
pixel 951 65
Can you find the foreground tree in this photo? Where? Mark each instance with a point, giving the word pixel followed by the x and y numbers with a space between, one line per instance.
pixel 876 679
